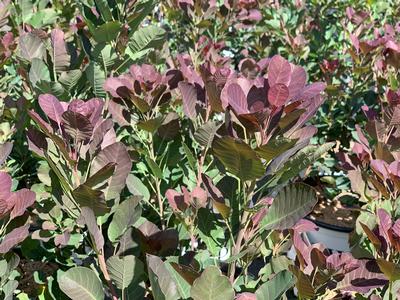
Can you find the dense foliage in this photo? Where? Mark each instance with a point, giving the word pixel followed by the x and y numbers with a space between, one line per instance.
pixel 175 149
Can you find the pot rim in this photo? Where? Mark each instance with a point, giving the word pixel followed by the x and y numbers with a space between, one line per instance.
pixel 330 226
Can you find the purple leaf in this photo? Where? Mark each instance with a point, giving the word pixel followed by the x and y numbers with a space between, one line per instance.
pixel 44 126
pixel 77 126
pixel 5 150
pixel 278 94
pixel 92 109
pixel 396 228
pixel 189 99
pixel 88 218
pixel 99 134
pixel 311 106
pixel 176 200
pixel 36 141
pixel 363 279
pixel 237 98
pixel 311 91
pixel 61 58
pixel 112 84
pixel 198 197
pixel 380 167
pixel 117 112
pixel 115 153
pixel 297 80
pixel 279 71
pixel 385 223
pixel 52 107
pixel 21 200
pixel 246 296
pixel 13 238
pixel 5 185
pixel 62 239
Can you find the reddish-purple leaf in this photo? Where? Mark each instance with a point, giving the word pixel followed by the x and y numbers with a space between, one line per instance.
pixel 363 279
pixel 92 109
pixel 61 58
pixel 380 167
pixel 52 107
pixel 189 99
pixel 44 126
pixel 396 228
pixel 279 71
pixel 311 91
pixel 297 80
pixel 216 196
pixel 21 200
pixel 5 150
pixel 5 185
pixel 385 223
pixel 246 296
pixel 115 153
pixel 199 197
pixel 77 126
pixel 278 94
pixel 62 239
pixel 311 106
pixel 117 112
pixel 36 141
pixel 13 238
pixel 99 133
pixel 176 200
pixel 237 98
pixel 88 218
pixel 111 85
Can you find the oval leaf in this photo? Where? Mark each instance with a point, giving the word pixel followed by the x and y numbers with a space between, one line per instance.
pixel 80 283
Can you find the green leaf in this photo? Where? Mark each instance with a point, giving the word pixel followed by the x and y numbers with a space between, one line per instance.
pixel 291 204
pixel 155 169
pixel 96 77
pixel 274 148
pixel 104 54
pixel 136 187
pixel 212 285
pixel 238 158
pixel 126 214
pixel 86 196
pixel 9 288
pixel 38 71
pixel 143 39
pixel 30 47
pixel 303 283
pixel 142 9
pixel 182 285
pixel 274 289
pixel 150 125
pixel 107 32
pixel 189 156
pixel 101 175
pixel 301 160
pixel 210 231
pixel 127 272
pixel 104 9
pixel 205 134
pixel 80 283
pixel 162 284
pixel 390 269
pixel 70 79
